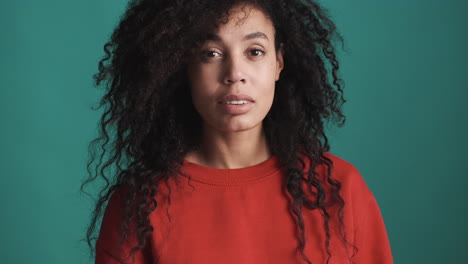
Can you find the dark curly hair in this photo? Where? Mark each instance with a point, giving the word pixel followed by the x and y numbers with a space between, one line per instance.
pixel 147 127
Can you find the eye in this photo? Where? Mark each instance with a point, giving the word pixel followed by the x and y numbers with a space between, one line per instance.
pixel 211 53
pixel 256 52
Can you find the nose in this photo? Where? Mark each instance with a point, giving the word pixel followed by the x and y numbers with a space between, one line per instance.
pixel 234 71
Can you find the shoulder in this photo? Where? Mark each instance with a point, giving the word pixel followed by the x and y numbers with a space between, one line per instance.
pixel 342 168
pixel 361 214
pixel 347 174
pixel 340 164
pixel 115 207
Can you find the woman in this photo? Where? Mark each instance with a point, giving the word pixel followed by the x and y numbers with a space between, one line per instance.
pixel 218 111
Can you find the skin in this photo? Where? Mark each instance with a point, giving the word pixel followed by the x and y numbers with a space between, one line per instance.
pixel 240 58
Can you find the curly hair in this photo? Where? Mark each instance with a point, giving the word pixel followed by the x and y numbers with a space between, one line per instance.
pixel 147 127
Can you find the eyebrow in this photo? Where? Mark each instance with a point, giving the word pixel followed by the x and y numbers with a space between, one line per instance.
pixel 250 36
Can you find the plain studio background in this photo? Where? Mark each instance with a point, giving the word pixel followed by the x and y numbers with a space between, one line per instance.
pixel 405 72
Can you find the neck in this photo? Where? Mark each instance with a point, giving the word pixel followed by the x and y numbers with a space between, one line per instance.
pixel 231 150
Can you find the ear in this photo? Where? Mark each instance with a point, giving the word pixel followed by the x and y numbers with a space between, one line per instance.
pixel 279 61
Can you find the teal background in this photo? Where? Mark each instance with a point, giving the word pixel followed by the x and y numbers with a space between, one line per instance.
pixel 405 71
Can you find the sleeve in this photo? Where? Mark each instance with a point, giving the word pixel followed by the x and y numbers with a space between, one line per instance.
pixel 370 235
pixel 108 248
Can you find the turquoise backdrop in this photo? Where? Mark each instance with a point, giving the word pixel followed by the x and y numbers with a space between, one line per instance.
pixel 405 69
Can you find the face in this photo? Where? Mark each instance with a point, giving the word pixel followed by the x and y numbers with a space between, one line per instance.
pixel 233 75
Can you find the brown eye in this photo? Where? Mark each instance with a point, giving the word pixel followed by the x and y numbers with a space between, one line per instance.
pixel 212 53
pixel 256 52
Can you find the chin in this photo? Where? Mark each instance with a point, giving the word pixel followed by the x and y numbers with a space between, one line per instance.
pixel 235 124
pixel 240 127
pixel 236 129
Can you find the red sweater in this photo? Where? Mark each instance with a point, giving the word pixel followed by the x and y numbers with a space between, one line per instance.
pixel 234 216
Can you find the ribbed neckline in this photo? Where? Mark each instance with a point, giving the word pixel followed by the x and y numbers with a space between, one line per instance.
pixel 238 176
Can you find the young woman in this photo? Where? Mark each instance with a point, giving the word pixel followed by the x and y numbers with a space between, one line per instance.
pixel 215 132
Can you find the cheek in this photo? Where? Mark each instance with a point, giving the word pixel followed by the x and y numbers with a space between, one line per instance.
pixel 203 89
pixel 203 81
pixel 269 83
pixel 267 80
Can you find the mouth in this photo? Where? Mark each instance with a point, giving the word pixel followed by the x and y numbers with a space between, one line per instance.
pixel 235 107
pixel 236 99
pixel 239 102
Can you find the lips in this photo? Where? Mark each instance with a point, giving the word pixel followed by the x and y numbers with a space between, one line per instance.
pixel 236 97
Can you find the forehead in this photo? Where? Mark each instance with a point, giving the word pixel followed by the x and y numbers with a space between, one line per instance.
pixel 246 22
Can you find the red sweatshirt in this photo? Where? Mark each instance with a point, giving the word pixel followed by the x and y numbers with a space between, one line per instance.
pixel 234 216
